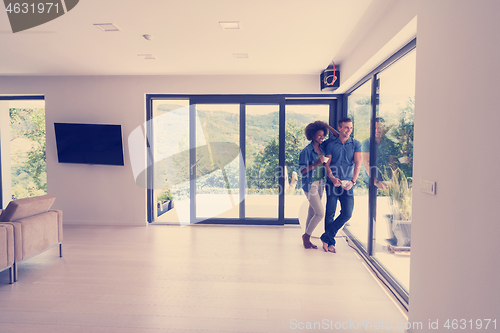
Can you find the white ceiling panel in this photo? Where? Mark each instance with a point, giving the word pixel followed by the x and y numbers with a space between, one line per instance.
pixel 279 36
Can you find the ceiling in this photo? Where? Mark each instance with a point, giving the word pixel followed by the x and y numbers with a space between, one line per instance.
pixel 279 36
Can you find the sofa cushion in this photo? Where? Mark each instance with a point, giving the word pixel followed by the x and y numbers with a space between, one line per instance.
pixel 22 208
pixel 39 233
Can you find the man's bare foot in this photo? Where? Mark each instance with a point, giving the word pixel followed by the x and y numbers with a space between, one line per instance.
pixel 331 248
pixel 325 247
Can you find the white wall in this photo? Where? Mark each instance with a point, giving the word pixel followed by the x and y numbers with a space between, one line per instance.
pixel 455 247
pixel 108 195
pixel 396 27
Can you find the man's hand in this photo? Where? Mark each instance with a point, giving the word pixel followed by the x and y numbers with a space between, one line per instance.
pixel 336 181
pixel 381 185
pixel 348 186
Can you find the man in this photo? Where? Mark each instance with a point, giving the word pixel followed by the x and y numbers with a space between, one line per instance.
pixel 343 166
pixel 385 154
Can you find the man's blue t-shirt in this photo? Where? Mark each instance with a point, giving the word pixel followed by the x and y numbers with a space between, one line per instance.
pixel 342 164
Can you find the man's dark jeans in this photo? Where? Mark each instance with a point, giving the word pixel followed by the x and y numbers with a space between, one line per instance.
pixel 346 198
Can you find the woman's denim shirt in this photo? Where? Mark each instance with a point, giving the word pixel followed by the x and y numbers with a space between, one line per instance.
pixel 307 157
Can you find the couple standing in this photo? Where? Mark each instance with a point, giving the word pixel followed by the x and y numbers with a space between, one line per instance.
pixel 338 160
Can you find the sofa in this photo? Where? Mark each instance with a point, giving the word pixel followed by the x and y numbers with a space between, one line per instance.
pixel 30 228
pixel 7 249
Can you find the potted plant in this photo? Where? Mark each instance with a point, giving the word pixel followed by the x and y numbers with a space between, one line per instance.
pixel 165 202
pixel 398 188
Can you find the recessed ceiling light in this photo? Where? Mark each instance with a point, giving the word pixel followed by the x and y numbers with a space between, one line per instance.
pixel 147 56
pixel 107 27
pixel 240 55
pixel 227 25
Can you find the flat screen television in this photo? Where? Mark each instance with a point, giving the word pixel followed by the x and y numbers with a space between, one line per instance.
pixel 89 143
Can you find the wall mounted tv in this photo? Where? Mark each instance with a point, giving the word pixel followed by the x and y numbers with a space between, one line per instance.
pixel 89 143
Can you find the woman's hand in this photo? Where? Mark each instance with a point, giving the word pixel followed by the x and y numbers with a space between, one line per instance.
pixel 332 130
pixel 319 161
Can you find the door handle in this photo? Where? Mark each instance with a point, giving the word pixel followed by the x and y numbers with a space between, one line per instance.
pixel 193 165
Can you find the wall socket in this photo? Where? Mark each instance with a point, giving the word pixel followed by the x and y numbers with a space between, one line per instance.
pixel 428 186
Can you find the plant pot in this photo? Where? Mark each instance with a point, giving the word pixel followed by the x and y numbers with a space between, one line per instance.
pixel 165 207
pixel 400 231
pixel 392 240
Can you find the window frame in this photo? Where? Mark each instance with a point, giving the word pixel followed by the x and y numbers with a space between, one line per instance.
pixel 334 100
pixel 368 255
pixel 14 98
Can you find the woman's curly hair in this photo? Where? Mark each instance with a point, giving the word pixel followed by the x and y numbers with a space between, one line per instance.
pixel 312 128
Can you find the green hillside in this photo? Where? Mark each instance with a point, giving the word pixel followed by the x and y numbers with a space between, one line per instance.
pixel 221 126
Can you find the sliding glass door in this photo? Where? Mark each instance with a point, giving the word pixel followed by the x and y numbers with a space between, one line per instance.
pixel 382 109
pixel 261 162
pixel 216 165
pixel 228 159
pixel 394 138
pixel 359 109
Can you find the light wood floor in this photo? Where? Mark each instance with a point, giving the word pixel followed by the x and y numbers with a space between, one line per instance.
pixel 193 279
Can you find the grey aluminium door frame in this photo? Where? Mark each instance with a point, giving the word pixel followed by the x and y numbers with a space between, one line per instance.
pixel 335 101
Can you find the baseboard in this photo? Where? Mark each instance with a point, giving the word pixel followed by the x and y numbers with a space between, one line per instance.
pixel 106 223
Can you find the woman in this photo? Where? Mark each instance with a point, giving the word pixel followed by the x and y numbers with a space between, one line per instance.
pixel 311 166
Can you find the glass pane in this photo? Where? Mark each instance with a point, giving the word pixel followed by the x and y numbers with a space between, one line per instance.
pixel 394 141
pixel 24 141
pixel 359 110
pixel 217 160
pixel 262 152
pixel 297 118
pixel 171 156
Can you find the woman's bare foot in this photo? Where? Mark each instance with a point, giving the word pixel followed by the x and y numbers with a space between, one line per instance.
pixel 325 247
pixel 331 248
pixel 307 242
